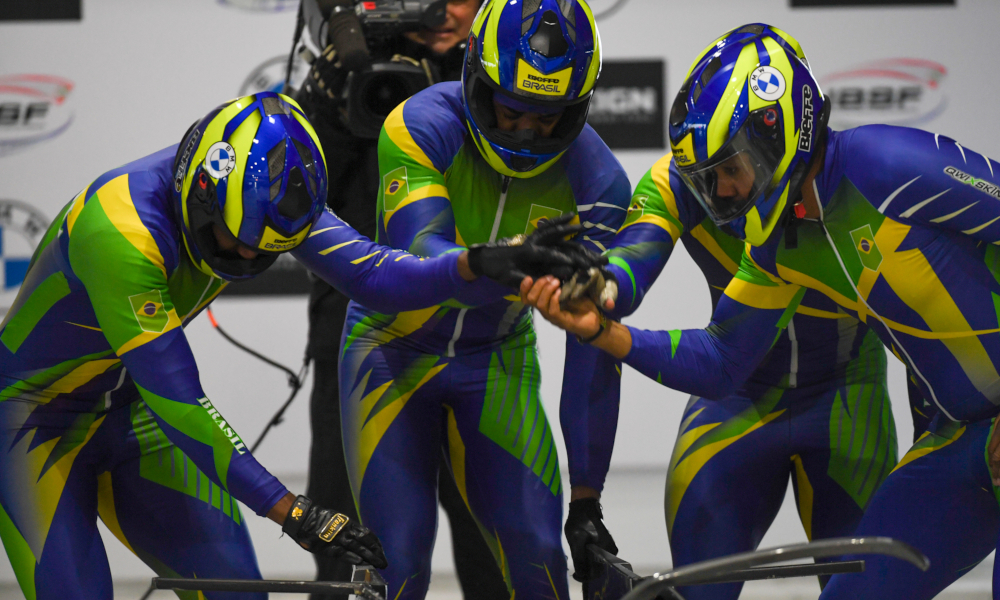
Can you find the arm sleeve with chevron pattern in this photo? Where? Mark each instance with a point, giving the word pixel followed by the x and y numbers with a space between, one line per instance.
pixel 125 278
pixel 382 278
pixel 922 178
pixel 414 205
pixel 657 216
pixel 714 362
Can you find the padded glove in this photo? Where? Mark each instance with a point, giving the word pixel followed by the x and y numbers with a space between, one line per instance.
pixel 327 532
pixel 585 525
pixel 545 251
pixel 345 34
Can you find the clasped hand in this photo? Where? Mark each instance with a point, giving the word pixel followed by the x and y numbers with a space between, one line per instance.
pixel 580 317
pixel 547 251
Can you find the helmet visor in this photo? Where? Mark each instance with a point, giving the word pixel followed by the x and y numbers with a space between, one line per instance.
pixel 728 184
pixel 204 219
pixel 480 96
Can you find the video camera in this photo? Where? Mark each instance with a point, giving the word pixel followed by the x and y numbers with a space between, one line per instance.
pixel 372 79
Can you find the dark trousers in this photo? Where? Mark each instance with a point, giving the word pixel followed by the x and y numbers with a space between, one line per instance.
pixel 329 486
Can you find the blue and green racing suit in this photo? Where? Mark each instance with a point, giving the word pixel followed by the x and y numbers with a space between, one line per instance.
pixel 463 376
pixel 101 407
pixel 906 243
pixel 815 409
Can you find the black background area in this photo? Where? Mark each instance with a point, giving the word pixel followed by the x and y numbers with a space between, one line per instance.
pixel 286 277
pixel 41 10
pixel 624 128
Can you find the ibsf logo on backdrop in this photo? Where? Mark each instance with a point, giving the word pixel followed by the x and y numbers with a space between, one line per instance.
pixel 21 228
pixel 262 5
pixel 627 106
pixel 269 76
pixel 33 109
pixel 895 91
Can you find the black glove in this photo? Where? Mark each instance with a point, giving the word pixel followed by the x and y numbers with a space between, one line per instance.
pixel 326 532
pixel 585 525
pixel 346 36
pixel 346 52
pixel 544 252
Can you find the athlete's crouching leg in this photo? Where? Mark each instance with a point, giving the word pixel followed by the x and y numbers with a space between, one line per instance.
pixel 158 503
pixel 940 500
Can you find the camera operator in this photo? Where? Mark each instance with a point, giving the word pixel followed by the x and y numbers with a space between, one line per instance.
pixel 369 64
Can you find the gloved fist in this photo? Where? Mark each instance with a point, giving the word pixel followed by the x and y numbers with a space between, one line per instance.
pixel 585 525
pixel 326 76
pixel 327 532
pixel 544 252
pixel 596 283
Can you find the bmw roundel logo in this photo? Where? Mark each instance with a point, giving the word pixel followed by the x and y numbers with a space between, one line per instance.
pixel 767 83
pixel 220 160
pixel 22 227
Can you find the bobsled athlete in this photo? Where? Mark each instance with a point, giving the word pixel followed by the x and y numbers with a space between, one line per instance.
pixel 897 227
pixel 102 413
pixel 460 164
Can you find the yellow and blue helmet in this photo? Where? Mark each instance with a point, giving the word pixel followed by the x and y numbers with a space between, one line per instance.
pixel 745 127
pixel 252 169
pixel 535 56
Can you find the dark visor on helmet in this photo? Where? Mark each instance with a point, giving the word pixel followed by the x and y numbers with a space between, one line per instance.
pixel 480 92
pixel 204 215
pixel 728 183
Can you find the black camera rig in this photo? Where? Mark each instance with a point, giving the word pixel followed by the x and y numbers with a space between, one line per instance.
pixel 363 75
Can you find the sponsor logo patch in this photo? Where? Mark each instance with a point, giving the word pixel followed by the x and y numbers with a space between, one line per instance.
pixel 767 83
pixel 990 189
pixel 333 527
pixel 223 426
pixel 536 82
pixel 34 108
pixel 149 312
pixel 271 241
pixel 220 160
pixel 182 165
pixel 806 128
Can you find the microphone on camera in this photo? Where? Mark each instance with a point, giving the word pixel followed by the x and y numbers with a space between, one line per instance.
pixel 345 35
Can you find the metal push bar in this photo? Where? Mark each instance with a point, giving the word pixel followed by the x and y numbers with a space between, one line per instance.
pixel 616 580
pixel 367 584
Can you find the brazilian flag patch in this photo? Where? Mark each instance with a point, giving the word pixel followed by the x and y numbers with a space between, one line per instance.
pixel 395 188
pixel 868 252
pixel 149 311
pixel 636 209
pixel 537 212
